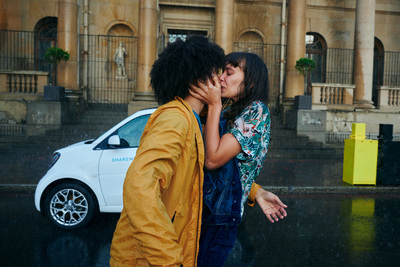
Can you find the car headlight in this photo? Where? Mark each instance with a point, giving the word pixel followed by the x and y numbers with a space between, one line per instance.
pixel 56 157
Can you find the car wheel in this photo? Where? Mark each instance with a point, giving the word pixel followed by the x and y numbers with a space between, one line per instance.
pixel 70 206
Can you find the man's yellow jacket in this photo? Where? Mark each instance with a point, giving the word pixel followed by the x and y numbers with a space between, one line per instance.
pixel 161 219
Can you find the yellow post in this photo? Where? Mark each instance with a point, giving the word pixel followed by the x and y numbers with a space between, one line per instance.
pixel 360 157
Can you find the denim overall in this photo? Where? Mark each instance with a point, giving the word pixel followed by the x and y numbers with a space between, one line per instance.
pixel 222 193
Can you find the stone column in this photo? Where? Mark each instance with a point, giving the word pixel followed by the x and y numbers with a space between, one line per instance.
pixel 67 72
pixel 364 53
pixel 224 24
pixel 147 54
pixel 3 15
pixel 147 43
pixel 296 48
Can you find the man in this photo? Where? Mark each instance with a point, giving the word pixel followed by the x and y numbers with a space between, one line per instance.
pixel 161 220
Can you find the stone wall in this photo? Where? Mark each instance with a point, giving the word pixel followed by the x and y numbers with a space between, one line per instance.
pixel 333 19
pixel 316 123
pixel 39 116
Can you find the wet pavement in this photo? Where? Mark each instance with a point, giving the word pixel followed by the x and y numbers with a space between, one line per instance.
pixel 320 230
pixel 329 222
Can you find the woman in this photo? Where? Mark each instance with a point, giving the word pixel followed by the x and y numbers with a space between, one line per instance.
pixel 243 145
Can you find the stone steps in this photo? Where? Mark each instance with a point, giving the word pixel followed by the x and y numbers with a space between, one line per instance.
pixel 284 142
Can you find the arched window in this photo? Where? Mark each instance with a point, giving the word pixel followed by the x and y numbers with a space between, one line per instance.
pixel 46 36
pixel 250 42
pixel 316 50
pixel 379 57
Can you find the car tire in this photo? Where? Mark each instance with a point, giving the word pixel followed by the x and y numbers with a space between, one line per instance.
pixel 70 205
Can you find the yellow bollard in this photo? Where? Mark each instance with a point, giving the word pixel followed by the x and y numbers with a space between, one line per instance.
pixel 360 157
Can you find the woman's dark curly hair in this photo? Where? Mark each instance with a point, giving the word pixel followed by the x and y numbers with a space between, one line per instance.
pixel 182 63
pixel 255 82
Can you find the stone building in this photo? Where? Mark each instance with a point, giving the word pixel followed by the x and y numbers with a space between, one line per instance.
pixel 355 44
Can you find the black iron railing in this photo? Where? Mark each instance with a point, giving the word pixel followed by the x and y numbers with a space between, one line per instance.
pixel 98 69
pixel 271 55
pixel 339 65
pixel 391 74
pixel 17 50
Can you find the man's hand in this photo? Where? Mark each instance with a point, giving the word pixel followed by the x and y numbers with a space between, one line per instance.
pixel 209 92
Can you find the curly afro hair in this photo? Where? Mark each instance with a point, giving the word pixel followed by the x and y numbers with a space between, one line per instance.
pixel 182 63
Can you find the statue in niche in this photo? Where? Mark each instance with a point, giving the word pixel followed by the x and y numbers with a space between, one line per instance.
pixel 119 58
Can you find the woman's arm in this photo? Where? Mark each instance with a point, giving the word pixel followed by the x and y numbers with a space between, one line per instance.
pixel 218 150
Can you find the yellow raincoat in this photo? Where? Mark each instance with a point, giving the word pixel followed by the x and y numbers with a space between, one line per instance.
pixel 161 219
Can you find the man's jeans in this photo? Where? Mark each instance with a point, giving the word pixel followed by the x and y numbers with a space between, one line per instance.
pixel 216 242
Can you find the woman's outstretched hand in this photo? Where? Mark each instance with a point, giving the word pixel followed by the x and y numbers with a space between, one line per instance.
pixel 271 205
pixel 209 92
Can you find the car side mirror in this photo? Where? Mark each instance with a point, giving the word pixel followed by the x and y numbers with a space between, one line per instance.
pixel 114 141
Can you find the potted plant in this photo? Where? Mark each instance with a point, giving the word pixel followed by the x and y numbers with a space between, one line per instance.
pixel 305 66
pixel 54 55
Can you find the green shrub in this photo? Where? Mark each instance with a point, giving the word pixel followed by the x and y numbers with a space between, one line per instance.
pixel 305 65
pixel 54 55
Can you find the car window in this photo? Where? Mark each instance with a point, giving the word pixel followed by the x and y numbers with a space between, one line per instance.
pixel 131 132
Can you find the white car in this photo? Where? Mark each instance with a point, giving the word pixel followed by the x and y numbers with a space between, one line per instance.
pixel 87 177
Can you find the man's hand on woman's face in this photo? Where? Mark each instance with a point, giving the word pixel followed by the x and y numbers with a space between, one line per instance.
pixel 208 92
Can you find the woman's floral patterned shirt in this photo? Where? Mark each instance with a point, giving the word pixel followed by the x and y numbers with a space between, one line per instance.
pixel 252 130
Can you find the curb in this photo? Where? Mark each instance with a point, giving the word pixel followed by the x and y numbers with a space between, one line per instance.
pixel 278 190
pixel 342 190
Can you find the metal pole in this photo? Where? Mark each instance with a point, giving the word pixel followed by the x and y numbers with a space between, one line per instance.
pixel 282 59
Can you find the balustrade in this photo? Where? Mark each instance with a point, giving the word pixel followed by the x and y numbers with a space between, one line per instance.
pixel 23 82
pixel 324 94
pixel 389 97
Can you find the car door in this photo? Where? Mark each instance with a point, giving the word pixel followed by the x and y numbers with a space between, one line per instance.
pixel 115 160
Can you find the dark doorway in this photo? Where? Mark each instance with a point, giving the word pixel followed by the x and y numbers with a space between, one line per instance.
pixel 46 36
pixel 316 50
pixel 379 57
